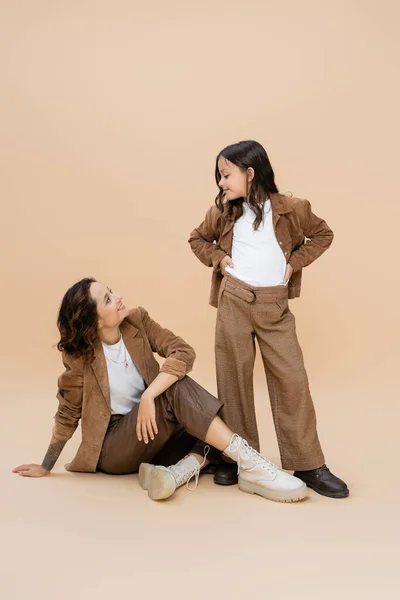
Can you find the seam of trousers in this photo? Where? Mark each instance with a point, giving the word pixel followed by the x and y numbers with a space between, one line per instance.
pixel 278 419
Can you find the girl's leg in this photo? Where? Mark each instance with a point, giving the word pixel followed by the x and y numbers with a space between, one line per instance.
pixel 292 406
pixel 234 357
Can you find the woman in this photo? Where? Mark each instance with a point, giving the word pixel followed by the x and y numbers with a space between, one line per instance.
pixel 130 408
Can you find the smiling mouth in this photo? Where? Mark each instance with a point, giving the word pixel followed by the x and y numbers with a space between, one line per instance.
pixel 121 307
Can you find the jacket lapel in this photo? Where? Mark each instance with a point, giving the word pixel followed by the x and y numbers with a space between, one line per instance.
pixel 99 368
pixel 225 240
pixel 135 346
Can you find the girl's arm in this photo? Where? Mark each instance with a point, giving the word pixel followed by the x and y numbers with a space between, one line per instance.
pixel 66 419
pixel 319 235
pixel 204 240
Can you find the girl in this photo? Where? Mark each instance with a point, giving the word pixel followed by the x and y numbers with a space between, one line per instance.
pixel 257 241
pixel 129 409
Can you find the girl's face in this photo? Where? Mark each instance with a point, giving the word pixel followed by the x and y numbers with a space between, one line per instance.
pixel 111 311
pixel 234 182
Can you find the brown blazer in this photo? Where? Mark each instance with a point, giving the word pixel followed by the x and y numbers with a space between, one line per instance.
pixel 84 391
pixel 302 235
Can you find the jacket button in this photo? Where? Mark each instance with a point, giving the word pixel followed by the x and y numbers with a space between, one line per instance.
pixel 280 243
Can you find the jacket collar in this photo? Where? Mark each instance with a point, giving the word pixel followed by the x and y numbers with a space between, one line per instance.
pixel 279 204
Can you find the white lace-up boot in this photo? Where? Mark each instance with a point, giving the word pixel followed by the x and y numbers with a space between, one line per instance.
pixel 161 482
pixel 257 475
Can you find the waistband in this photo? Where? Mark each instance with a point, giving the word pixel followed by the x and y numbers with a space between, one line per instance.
pixel 251 293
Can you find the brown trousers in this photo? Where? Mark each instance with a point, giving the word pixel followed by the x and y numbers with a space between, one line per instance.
pixel 246 313
pixel 184 413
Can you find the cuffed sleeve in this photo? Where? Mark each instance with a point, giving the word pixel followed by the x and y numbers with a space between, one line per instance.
pixel 178 354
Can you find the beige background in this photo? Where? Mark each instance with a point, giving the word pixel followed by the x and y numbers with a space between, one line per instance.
pixel 112 114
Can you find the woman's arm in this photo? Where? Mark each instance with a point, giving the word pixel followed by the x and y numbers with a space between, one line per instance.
pixel 66 419
pixel 50 459
pixel 179 361
pixel 146 425
pixel 52 454
pixel 161 383
pixel 178 354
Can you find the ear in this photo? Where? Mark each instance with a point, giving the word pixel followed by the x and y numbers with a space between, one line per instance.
pixel 250 174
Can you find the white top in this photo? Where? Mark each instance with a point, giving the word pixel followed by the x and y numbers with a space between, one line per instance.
pixel 256 255
pixel 126 383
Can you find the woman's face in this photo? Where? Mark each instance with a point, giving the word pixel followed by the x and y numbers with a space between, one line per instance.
pixel 111 311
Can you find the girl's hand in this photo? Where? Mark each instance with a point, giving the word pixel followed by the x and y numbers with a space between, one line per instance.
pixel 31 471
pixel 288 273
pixel 225 262
pixel 146 420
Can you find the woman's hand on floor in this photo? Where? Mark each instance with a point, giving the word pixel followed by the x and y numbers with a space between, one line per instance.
pixel 146 420
pixel 31 471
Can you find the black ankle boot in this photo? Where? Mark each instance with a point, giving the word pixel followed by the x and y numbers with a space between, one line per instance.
pixel 226 474
pixel 323 482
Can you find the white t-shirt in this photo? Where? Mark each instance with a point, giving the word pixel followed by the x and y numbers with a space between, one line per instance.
pixel 126 383
pixel 257 257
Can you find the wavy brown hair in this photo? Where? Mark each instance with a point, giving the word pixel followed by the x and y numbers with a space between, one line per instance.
pixel 77 320
pixel 244 155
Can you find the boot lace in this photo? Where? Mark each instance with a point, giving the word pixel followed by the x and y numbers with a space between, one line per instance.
pixel 255 456
pixel 187 473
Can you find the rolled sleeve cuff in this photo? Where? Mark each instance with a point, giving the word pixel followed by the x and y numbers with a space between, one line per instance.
pixel 175 367
pixel 295 263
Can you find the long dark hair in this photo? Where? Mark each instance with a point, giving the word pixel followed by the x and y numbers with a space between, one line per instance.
pixel 244 155
pixel 77 320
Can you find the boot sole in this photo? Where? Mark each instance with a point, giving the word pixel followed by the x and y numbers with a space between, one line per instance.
pixel 225 481
pixel 145 471
pixel 329 494
pixel 161 484
pixel 275 496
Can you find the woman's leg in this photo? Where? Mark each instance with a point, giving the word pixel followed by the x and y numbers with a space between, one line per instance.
pixel 256 474
pixel 185 404
pixel 192 406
